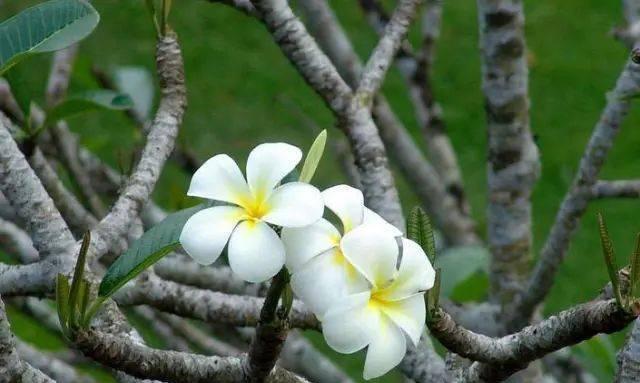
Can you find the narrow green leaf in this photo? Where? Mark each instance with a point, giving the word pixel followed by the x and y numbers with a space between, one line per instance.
pixel 635 269
pixel 94 100
pixel 78 277
pixel 85 298
pixel 137 83
pixel 62 300
pixel 313 157
pixel 609 258
pixel 146 250
pixel 166 9
pixel 151 7
pixel 420 230
pixel 46 27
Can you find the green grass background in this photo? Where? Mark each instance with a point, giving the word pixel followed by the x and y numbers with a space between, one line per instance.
pixel 242 91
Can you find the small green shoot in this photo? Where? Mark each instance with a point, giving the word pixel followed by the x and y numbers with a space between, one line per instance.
pixel 313 157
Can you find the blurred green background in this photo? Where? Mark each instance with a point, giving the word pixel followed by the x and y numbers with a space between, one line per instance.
pixel 242 92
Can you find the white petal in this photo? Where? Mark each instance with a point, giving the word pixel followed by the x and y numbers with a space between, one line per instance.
pixel 373 218
pixel 386 350
pixel 206 233
pixel 409 314
pixel 294 204
pixel 347 203
pixel 415 274
pixel 256 253
pixel 304 243
pixel 350 324
pixel 268 164
pixel 220 179
pixel 373 251
pixel 325 280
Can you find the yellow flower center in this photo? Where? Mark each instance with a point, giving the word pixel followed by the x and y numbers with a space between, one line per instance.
pixel 255 205
pixel 377 300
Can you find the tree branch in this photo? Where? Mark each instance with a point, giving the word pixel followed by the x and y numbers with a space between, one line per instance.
pixel 205 305
pixel 171 366
pixel 160 143
pixel 394 33
pixel 513 156
pixel 616 189
pixel 12 368
pixel 353 117
pixel 500 357
pixel 575 201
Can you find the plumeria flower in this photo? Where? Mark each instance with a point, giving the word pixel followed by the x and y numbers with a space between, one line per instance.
pixel 255 251
pixel 320 272
pixel 392 310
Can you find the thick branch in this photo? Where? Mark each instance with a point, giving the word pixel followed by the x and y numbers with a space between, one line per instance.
pixel 513 156
pixel 508 354
pixel 170 366
pixel 32 204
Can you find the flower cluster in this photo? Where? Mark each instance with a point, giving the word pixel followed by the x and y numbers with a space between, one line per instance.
pixel 361 279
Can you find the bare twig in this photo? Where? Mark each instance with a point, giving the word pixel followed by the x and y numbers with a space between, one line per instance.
pixel 382 57
pixel 616 189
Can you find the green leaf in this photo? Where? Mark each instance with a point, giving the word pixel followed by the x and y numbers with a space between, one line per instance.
pixel 420 230
pixel 458 264
pixel 88 101
pixel 137 83
pixel 46 27
pixel 17 78
pixel 146 250
pixel 313 157
pixel 78 278
pixel 62 299
pixel 609 258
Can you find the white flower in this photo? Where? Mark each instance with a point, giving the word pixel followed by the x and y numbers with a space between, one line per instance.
pixel 392 309
pixel 320 272
pixel 255 251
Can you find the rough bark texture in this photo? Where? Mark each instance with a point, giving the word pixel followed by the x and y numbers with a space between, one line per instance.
pixel 629 357
pixel 513 165
pixel 169 366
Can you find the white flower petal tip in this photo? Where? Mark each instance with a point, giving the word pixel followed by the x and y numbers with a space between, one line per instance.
pixel 206 233
pixel 269 163
pixel 294 204
pixel 304 243
pixel 256 253
pixel 385 351
pixel 347 203
pixel 219 178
